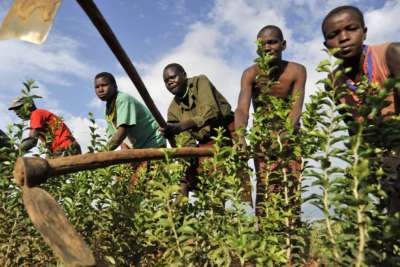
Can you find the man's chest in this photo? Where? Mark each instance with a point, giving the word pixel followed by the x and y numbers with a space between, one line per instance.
pixel 281 88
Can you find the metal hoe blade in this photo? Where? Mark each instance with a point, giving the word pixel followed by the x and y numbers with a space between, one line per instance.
pixel 50 220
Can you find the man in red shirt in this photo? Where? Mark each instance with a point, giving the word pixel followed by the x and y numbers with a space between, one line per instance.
pixel 47 127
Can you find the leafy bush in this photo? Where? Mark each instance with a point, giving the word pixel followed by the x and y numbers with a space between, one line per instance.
pixel 152 224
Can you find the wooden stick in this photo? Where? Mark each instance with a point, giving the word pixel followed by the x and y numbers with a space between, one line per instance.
pixel 108 35
pixel 34 171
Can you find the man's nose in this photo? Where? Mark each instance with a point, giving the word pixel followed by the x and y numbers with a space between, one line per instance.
pixel 343 36
pixel 267 48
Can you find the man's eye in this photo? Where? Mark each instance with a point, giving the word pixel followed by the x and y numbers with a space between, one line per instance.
pixel 331 35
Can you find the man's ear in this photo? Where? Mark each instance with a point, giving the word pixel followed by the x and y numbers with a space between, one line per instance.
pixel 365 33
pixel 283 45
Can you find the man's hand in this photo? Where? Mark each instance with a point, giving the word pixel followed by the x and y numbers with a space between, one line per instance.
pixel 171 129
pixel 27 144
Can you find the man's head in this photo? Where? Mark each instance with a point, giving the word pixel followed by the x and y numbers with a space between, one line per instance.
pixel 272 42
pixel 23 106
pixel 344 28
pixel 105 86
pixel 175 79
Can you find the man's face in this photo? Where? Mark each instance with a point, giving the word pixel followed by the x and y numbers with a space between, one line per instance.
pixel 345 31
pixel 175 81
pixel 105 90
pixel 23 112
pixel 272 44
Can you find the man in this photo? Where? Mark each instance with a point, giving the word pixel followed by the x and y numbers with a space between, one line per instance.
pixel 290 78
pixel 195 112
pixel 47 127
pixel 129 121
pixel 344 28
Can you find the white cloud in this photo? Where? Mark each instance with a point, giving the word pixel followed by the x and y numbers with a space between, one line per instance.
pixel 96 103
pixel 382 23
pixel 53 63
pixel 80 129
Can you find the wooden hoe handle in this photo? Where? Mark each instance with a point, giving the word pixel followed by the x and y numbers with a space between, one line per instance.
pixel 34 171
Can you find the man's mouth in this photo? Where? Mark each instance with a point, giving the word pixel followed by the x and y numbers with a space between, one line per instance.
pixel 345 50
pixel 173 87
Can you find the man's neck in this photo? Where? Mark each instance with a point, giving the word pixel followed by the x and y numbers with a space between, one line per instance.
pixel 109 103
pixel 277 68
pixel 112 98
pixel 182 95
pixel 355 63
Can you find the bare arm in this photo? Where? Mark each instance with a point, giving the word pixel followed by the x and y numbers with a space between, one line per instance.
pixel 244 101
pixel 30 141
pixel 118 137
pixel 298 94
pixel 393 62
pixel 172 129
pixel 393 59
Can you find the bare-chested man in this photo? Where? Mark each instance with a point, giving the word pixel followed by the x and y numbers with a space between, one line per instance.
pixel 290 77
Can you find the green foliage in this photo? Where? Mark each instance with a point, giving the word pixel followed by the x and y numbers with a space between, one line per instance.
pixel 153 224
pixel 349 170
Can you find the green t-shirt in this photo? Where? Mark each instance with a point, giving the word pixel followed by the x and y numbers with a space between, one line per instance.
pixel 144 131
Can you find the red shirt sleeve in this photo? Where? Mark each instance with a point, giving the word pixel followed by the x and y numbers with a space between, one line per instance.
pixel 37 119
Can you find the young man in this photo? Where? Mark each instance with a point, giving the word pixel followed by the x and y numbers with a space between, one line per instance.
pixel 47 127
pixel 195 112
pixel 129 121
pixel 344 28
pixel 290 78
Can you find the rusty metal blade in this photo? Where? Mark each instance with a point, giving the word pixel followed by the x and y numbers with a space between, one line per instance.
pixel 50 220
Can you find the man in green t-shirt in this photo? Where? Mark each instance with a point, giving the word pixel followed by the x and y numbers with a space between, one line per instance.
pixel 128 120
pixel 195 112
pixel 129 123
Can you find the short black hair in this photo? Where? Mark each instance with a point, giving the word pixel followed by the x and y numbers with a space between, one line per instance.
pixel 273 28
pixel 177 66
pixel 340 9
pixel 108 76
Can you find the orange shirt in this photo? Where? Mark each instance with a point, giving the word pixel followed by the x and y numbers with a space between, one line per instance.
pixel 377 71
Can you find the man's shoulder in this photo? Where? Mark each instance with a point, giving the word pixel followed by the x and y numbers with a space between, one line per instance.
pixel 296 70
pixel 41 112
pixel 252 70
pixel 385 44
pixel 296 66
pixel 196 78
pixel 123 98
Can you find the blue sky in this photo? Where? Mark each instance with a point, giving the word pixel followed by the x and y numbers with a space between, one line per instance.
pixel 216 38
